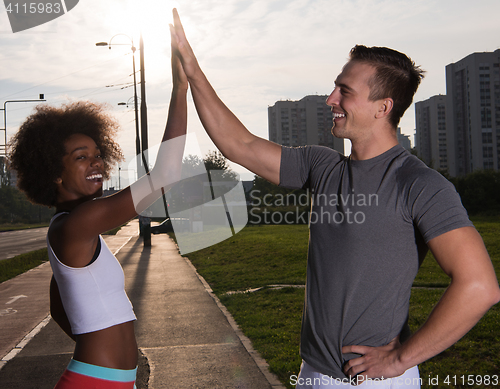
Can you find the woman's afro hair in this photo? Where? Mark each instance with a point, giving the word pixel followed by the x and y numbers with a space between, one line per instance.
pixel 37 150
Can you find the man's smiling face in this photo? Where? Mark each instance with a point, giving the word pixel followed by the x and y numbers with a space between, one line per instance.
pixel 353 111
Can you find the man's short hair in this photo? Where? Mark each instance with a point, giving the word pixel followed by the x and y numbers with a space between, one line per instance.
pixel 396 77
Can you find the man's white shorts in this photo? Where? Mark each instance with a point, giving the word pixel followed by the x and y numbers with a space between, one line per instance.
pixel 309 378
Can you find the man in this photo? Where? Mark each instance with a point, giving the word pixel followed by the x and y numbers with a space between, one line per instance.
pixel 374 215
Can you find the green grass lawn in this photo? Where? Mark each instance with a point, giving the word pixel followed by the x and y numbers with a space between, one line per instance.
pixel 19 264
pixel 20 226
pixel 270 255
pixel 255 257
pixel 12 267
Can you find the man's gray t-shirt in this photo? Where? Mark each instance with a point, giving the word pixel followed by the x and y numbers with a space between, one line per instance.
pixel 369 224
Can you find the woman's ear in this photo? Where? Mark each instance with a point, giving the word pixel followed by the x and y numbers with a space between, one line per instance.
pixel 58 180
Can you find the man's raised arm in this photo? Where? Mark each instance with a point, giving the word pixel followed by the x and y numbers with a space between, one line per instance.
pixel 231 137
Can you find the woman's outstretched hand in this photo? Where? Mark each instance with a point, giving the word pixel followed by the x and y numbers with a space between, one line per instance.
pixel 179 77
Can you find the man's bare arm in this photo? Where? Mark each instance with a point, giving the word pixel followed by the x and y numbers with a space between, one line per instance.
pixel 231 137
pixel 472 292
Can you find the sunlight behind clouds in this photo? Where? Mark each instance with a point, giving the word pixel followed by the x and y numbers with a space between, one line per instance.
pixel 150 18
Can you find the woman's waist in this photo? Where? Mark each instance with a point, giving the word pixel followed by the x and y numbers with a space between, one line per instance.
pixel 114 347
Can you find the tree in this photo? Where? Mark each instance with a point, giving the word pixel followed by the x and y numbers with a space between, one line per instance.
pixel 215 160
pixel 196 187
pixel 4 173
pixel 479 191
pixel 15 208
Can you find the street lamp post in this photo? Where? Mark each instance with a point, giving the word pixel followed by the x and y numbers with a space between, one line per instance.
pixel 144 116
pixel 146 233
pixel 133 48
pixel 4 109
pixel 144 123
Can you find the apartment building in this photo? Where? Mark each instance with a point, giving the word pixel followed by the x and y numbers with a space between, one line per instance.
pixel 473 115
pixel 431 132
pixel 307 121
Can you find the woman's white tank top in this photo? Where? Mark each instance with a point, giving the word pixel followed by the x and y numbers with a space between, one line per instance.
pixel 93 296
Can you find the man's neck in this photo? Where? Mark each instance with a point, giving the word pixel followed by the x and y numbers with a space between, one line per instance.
pixel 371 148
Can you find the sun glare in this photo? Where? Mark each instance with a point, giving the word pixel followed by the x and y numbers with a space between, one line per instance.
pixel 149 18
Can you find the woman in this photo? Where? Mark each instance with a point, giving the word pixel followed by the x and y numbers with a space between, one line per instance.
pixel 61 156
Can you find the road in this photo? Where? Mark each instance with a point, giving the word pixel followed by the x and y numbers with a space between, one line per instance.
pixel 13 243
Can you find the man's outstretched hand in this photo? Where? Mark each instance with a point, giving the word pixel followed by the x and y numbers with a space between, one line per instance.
pixel 181 45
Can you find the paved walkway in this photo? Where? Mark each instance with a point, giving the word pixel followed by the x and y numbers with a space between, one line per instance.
pixel 186 337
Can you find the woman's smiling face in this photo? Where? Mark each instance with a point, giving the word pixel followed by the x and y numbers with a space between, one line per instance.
pixel 83 167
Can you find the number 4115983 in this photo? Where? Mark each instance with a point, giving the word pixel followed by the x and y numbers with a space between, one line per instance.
pixel 33 8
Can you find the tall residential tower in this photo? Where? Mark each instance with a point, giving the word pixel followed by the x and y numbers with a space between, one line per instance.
pixel 304 122
pixel 473 115
pixel 431 138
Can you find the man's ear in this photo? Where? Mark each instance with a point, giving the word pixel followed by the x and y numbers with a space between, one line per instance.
pixel 385 107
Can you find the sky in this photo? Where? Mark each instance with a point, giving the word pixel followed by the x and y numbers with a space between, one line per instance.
pixel 254 52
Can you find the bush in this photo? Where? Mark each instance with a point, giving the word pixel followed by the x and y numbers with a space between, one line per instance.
pixel 479 191
pixel 15 208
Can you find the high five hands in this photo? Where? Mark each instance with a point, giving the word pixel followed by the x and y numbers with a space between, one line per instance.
pixel 181 46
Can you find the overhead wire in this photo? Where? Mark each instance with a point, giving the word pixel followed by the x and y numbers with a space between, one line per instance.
pixel 66 75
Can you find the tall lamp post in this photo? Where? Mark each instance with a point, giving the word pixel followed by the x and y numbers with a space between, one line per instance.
pixel 4 109
pixel 144 116
pixel 133 48
pixel 146 231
